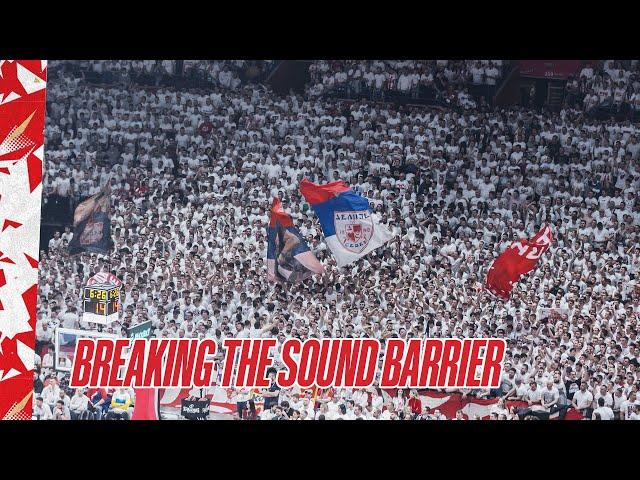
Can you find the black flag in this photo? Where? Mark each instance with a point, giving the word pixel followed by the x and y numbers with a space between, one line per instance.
pixel 92 225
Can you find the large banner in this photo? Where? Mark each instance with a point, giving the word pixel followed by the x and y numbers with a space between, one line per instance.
pixel 471 407
pixel 22 113
pixel 221 402
pixel 552 69
pixel 92 227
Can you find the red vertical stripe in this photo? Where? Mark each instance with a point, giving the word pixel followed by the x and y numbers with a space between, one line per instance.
pixel 22 135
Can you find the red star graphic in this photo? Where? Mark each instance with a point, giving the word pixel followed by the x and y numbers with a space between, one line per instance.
pixel 9 81
pixel 34 166
pixel 32 261
pixel 10 223
pixel 9 357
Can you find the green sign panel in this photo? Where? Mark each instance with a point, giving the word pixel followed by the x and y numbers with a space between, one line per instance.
pixel 142 330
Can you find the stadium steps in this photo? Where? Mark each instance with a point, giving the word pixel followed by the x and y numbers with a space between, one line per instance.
pixel 290 75
pixel 508 92
pixel 555 94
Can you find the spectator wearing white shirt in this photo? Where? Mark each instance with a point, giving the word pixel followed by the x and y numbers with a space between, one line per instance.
pixel 41 410
pixel 78 404
pixel 602 412
pixel 582 400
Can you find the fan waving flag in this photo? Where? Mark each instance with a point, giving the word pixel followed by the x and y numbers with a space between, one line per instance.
pixel 92 226
pixel 350 228
pixel 520 258
pixel 288 256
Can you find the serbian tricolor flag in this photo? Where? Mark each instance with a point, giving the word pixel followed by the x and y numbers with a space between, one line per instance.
pixel 288 256
pixel 520 258
pixel 350 227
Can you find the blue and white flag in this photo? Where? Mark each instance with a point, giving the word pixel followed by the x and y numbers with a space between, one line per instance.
pixel 350 227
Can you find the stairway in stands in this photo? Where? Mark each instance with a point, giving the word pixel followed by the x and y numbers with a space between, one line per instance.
pixel 555 94
pixel 289 75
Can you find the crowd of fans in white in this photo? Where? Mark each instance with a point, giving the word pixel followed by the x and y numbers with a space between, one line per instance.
pixel 449 79
pixel 613 84
pixel 226 73
pixel 192 177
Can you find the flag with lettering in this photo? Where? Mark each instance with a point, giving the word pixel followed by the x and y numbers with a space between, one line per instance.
pixel 288 255
pixel 520 258
pixel 350 227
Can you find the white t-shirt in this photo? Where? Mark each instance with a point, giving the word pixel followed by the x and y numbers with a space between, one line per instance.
pixel 624 408
pixel 55 243
pixel 583 399
pixel 605 413
pixel 550 395
pixel 63 186
pixel 534 396
pixel 43 412
pixel 266 415
pixel 78 403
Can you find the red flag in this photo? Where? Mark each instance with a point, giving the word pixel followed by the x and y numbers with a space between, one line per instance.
pixel 278 215
pixel 521 257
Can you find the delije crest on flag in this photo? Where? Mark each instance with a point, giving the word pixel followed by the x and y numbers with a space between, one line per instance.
pixel 350 228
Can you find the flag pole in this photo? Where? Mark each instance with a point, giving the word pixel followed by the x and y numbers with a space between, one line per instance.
pixel 315 396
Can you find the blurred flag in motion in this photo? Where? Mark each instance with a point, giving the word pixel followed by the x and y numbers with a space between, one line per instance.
pixel 288 256
pixel 350 228
pixel 521 257
pixel 92 225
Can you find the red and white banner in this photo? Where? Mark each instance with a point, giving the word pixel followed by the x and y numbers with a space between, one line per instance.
pixel 22 114
pixel 447 403
pixel 105 278
pixel 520 258
pixel 471 407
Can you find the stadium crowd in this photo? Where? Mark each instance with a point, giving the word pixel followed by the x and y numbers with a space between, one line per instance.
pixel 227 73
pixel 192 174
pixel 445 80
pixel 612 86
